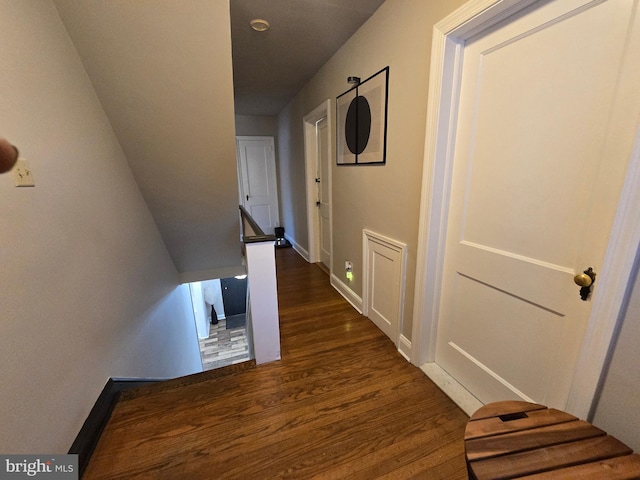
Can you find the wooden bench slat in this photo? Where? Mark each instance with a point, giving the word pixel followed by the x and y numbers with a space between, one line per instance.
pixel 495 426
pixel 549 458
pixel 487 447
pixel 501 408
pixel 618 468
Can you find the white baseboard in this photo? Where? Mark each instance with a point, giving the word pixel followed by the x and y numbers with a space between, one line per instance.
pixel 404 347
pixel 349 295
pixel 296 246
pixel 456 392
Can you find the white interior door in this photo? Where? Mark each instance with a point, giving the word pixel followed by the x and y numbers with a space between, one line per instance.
pixel 324 198
pixel 541 150
pixel 257 178
pixel 317 152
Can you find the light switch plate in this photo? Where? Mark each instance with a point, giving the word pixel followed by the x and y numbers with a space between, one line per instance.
pixel 22 174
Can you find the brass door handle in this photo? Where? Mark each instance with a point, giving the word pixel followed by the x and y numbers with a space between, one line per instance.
pixel 584 280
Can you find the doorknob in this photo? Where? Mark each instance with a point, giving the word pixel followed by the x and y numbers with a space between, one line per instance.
pixel 584 281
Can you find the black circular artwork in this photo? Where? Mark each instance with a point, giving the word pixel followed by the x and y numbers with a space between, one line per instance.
pixel 357 128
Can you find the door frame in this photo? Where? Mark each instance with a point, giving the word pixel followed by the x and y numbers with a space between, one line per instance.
pixel 311 165
pixel 612 292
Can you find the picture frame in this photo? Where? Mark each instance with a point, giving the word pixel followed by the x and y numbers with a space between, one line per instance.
pixel 362 122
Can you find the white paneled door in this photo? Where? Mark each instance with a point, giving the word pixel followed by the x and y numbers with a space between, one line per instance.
pixel 541 149
pixel 317 151
pixel 257 179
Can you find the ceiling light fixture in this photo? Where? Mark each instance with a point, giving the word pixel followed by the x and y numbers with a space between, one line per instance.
pixel 259 25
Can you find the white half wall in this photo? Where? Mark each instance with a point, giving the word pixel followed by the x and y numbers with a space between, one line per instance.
pixel 263 302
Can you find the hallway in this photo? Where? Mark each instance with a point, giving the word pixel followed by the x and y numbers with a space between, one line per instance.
pixel 342 403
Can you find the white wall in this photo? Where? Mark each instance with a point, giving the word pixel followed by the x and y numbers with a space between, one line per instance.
pixel 384 199
pixel 199 310
pixel 87 288
pixel 256 126
pixel 212 294
pixel 203 295
pixel 162 71
pixel 618 409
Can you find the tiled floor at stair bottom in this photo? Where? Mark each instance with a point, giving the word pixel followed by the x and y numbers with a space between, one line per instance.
pixel 224 347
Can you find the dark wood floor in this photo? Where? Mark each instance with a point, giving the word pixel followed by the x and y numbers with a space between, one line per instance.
pixel 342 403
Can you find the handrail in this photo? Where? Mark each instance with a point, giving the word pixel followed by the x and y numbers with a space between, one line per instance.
pixel 251 231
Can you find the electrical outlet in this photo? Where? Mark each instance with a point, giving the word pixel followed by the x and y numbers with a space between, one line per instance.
pixel 22 174
pixel 348 266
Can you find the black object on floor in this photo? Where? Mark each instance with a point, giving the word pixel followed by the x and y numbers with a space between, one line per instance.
pixel 214 316
pixel 281 242
pixel 236 321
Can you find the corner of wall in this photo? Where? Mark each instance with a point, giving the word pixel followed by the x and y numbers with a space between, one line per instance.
pixel 298 248
pixel 347 293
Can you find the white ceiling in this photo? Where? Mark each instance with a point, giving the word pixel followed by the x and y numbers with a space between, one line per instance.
pixel 269 68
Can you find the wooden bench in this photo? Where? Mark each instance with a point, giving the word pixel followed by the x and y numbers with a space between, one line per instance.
pixel 519 439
